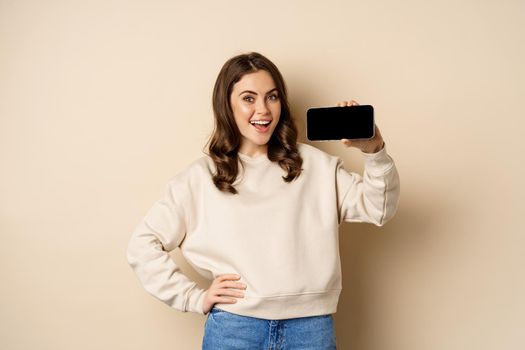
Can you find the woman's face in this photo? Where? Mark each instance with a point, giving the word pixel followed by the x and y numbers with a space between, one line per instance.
pixel 255 98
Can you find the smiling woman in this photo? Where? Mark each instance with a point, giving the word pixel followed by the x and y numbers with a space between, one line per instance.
pixel 263 234
pixel 250 92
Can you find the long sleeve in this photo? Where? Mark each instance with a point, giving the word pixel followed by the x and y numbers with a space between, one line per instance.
pixel 160 231
pixel 372 197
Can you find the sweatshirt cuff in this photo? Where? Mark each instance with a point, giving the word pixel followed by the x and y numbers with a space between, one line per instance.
pixel 195 300
pixel 378 163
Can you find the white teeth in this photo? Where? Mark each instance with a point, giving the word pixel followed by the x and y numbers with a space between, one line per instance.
pixel 261 122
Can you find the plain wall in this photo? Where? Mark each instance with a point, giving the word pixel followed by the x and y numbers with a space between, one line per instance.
pixel 101 102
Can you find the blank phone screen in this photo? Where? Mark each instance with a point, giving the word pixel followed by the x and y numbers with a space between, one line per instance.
pixel 336 123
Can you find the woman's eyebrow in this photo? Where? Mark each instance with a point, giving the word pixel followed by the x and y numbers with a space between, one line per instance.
pixel 253 92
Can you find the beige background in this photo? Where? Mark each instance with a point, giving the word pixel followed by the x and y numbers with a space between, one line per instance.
pixel 101 102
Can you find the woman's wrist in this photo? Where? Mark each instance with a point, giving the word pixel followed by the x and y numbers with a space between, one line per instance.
pixel 375 149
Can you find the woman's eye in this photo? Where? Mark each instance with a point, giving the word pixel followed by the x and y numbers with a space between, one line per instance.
pixel 270 97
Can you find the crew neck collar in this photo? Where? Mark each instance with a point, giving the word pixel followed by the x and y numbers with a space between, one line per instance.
pixel 255 159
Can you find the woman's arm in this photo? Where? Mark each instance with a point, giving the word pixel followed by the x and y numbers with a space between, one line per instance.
pixel 374 196
pixel 160 231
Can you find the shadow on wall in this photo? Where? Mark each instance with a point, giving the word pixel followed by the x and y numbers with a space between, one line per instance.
pixel 372 260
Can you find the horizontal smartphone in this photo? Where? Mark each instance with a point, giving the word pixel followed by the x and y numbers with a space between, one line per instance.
pixel 336 123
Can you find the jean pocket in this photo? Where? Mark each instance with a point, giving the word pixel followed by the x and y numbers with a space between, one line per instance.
pixel 216 310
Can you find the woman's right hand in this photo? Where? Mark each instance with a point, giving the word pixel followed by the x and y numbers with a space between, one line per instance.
pixel 221 287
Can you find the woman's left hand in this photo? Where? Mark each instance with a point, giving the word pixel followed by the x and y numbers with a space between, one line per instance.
pixel 372 145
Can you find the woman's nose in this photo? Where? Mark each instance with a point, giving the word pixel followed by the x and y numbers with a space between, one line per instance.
pixel 261 107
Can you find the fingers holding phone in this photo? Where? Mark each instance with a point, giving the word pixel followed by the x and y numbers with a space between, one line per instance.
pixel 348 103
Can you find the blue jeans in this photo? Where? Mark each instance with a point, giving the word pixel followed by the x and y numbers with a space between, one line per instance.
pixel 227 331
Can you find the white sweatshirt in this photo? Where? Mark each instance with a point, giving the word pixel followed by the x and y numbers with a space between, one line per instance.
pixel 281 238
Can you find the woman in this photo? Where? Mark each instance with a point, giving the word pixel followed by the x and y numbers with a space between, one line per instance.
pixel 259 216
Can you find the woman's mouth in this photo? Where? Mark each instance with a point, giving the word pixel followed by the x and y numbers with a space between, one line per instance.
pixel 261 125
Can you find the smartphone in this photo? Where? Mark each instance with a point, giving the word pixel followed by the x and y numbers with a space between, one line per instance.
pixel 336 123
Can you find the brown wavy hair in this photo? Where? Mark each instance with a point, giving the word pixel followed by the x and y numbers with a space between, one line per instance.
pixel 225 140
